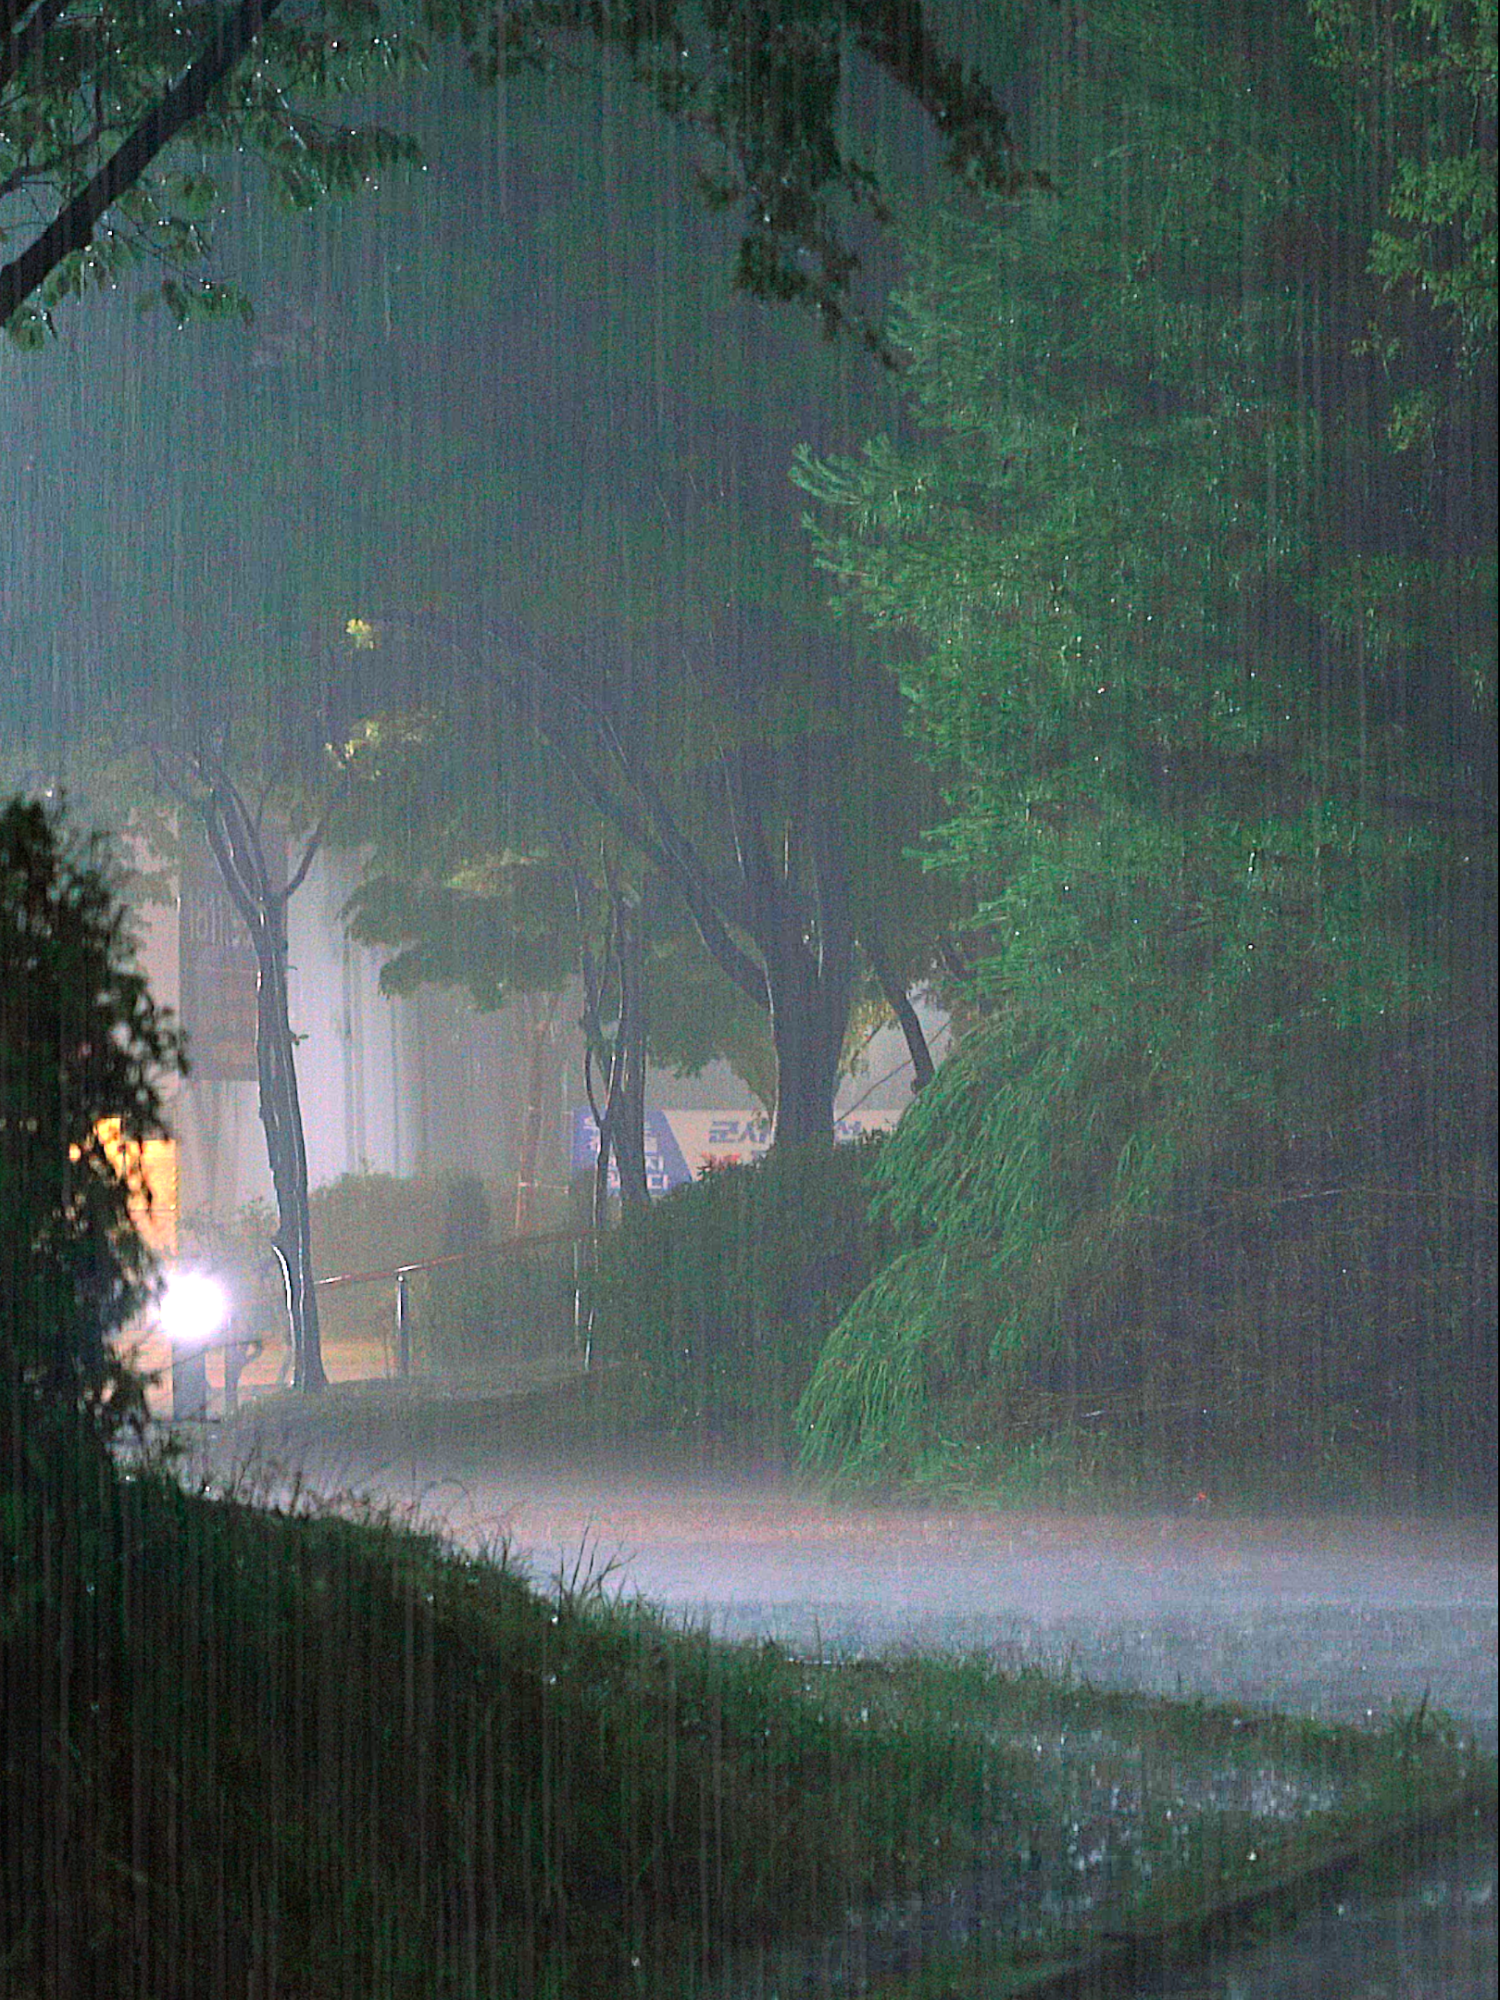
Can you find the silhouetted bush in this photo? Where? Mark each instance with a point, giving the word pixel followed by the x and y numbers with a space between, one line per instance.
pixel 718 1298
pixel 83 1048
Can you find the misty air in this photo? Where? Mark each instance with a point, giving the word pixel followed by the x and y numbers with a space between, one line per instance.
pixel 748 1091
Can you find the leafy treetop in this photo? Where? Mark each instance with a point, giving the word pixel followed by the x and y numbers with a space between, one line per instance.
pixel 91 96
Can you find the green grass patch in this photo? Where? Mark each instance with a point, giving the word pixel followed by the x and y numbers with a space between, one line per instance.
pixel 291 1753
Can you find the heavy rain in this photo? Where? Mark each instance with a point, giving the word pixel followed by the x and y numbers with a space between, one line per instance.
pixel 748 1141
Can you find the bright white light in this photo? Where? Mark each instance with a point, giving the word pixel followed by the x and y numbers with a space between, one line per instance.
pixel 193 1308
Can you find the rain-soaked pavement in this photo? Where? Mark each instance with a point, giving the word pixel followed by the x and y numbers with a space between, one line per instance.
pixel 1333 1617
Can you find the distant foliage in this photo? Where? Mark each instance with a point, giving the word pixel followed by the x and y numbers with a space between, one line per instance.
pixel 83 1049
pixel 718 1298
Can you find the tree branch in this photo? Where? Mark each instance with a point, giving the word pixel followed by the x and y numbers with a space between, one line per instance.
pixel 896 38
pixel 899 1002
pixel 656 835
pixel 73 226
pixel 315 839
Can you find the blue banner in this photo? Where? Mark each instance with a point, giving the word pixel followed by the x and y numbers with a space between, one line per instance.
pixel 682 1144
pixel 665 1165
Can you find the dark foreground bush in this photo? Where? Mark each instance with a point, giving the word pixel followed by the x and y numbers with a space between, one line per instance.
pixel 718 1298
pixel 287 1757
pixel 83 1051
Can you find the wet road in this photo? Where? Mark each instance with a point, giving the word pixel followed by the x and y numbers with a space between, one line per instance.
pixel 1338 1618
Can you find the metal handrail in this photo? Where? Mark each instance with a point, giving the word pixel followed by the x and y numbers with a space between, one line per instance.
pixel 510 1243
pixel 402 1272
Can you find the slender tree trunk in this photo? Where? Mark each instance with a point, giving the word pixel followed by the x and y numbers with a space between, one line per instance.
pixel 286 1147
pixel 234 835
pixel 622 1117
pixel 628 1109
pixel 73 226
pixel 538 1076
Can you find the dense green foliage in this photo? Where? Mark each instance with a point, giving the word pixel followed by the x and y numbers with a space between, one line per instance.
pixel 1422 79
pixel 1210 1180
pixel 716 1301
pixel 1225 805
pixel 83 1049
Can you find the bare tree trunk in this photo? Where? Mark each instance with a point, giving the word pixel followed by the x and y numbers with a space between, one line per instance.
pixel 899 1002
pixel 538 1076
pixel 286 1147
pixel 805 935
pixel 234 836
pixel 622 1118
pixel 809 1013
pixel 795 908
pixel 629 1112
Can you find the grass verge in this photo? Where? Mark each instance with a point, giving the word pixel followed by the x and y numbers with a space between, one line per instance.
pixel 293 1754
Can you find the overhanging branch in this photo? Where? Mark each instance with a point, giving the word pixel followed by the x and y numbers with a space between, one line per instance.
pixel 73 226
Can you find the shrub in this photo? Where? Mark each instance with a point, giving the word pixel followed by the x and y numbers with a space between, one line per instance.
pixel 465 1317
pixel 718 1298
pixel 503 1301
pixel 82 1049
pixel 1331 1289
pixel 371 1222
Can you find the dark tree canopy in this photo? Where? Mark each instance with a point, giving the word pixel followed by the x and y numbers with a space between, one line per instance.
pixel 94 96
pixel 767 85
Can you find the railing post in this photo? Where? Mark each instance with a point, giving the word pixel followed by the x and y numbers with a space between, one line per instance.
pixel 577 1296
pixel 403 1327
pixel 588 1331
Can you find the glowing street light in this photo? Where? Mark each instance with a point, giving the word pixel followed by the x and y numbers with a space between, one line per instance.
pixel 192 1309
